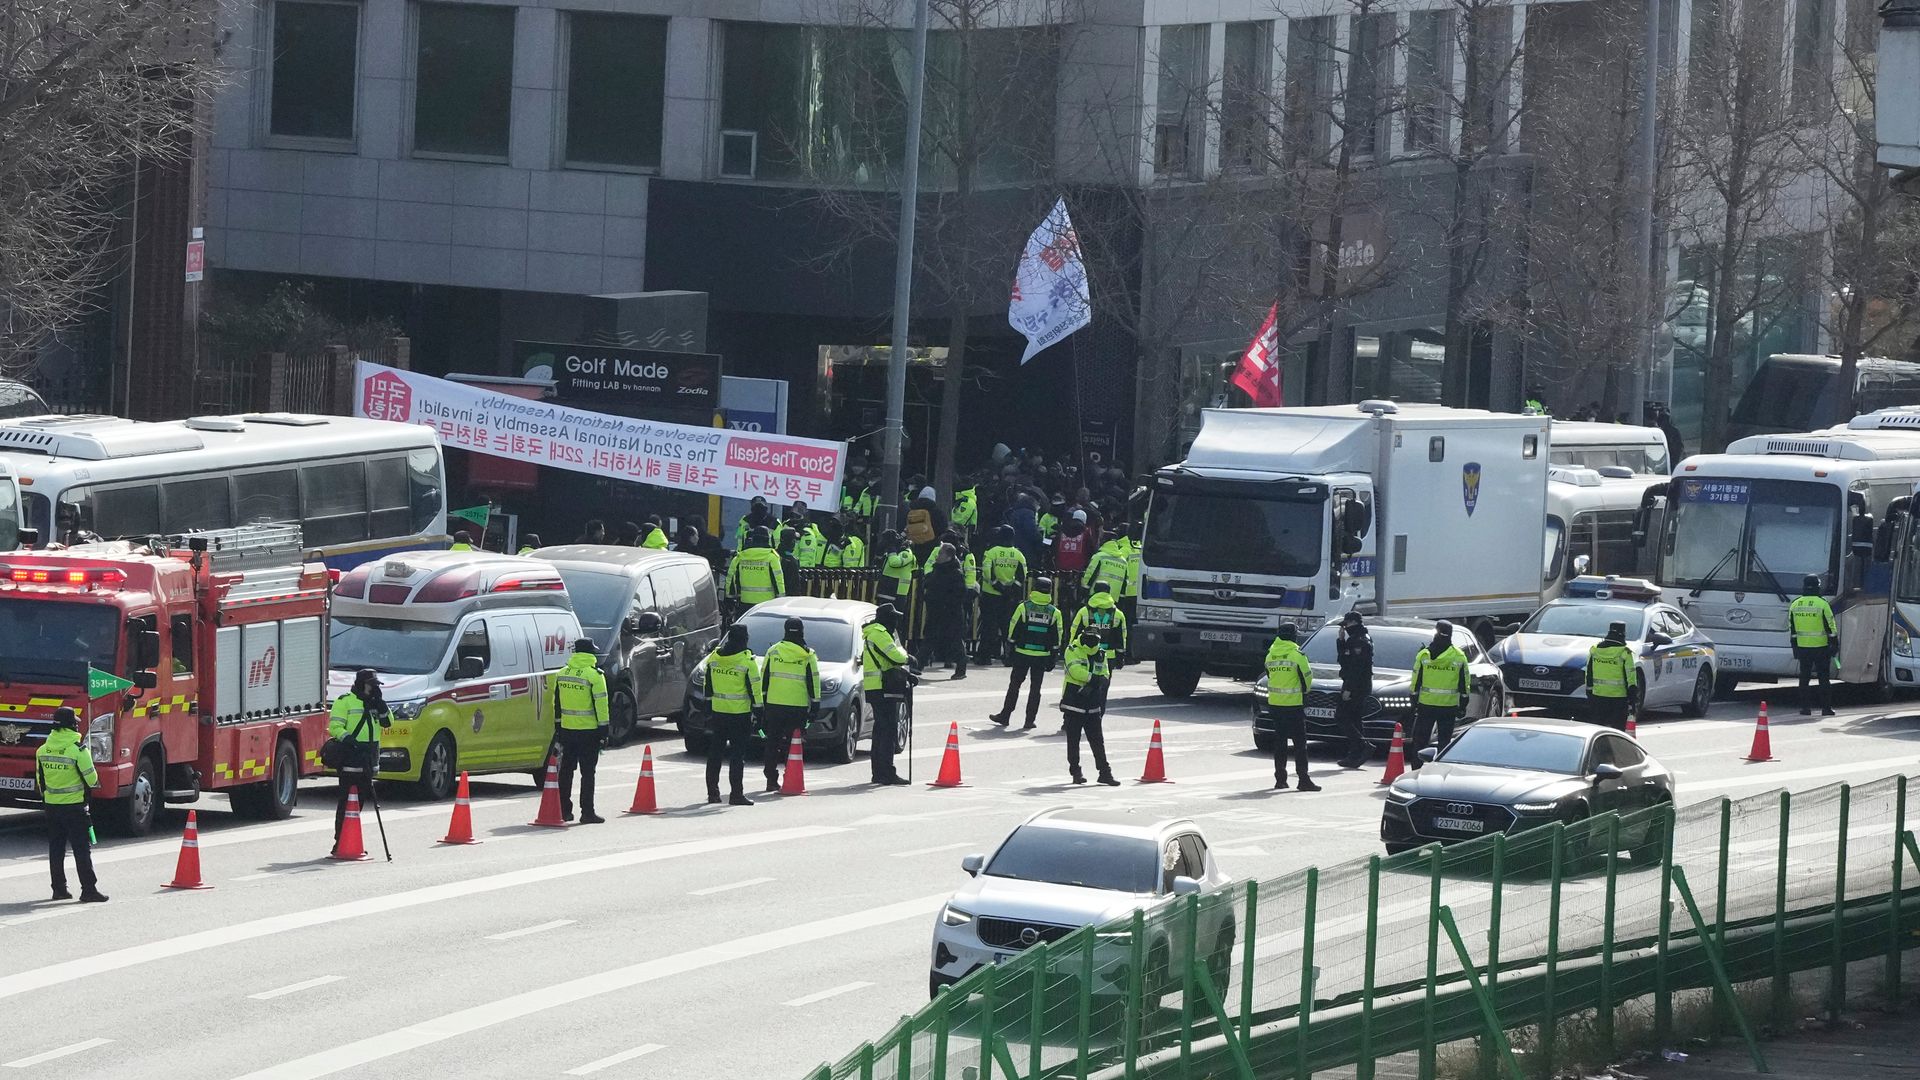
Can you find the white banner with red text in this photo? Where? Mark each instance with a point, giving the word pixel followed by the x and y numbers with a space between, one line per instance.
pixel 711 461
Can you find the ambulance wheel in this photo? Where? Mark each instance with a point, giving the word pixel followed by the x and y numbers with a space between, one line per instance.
pixel 275 799
pixel 439 769
pixel 1175 679
pixel 135 813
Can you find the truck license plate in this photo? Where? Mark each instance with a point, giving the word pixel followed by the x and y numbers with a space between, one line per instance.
pixel 1460 824
pixel 1231 637
pixel 1318 712
pixel 1736 663
pixel 1539 684
pixel 16 783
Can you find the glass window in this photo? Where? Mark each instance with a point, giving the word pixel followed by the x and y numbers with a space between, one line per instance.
pixel 429 498
pixel 387 494
pixel 463 79
pixel 1236 534
pixel 616 88
pixel 336 502
pixel 1246 83
pixel 1555 539
pixel 201 503
pixel 673 596
pixel 10 521
pixel 1752 534
pixel 181 645
pixel 1518 748
pixel 1193 852
pixel 1489 80
pixel 1311 86
pixel 1586 619
pixel 273 495
pixel 56 641
pixel 126 511
pixel 1071 857
pixel 394 646
pixel 600 600
pixel 832 639
pixel 316 48
pixel 1429 79
pixel 1182 100
pixel 1370 89
pixel 1813 34
pixel 474 642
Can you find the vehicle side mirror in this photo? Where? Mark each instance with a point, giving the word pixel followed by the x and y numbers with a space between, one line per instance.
pixel 1357 518
pixel 1606 771
pixel 1351 545
pixel 1185 886
pixel 1659 639
pixel 472 667
pixel 646 624
pixel 145 680
pixel 1429 753
pixel 147 643
pixel 1580 564
pixel 972 864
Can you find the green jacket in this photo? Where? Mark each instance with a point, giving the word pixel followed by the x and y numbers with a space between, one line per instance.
pixel 790 676
pixel 1288 673
pixel 64 768
pixel 1118 564
pixel 1036 627
pixel 580 694
pixel 1084 663
pixel 881 654
pixel 1812 620
pixel 343 722
pixel 733 682
pixel 1440 680
pixel 656 539
pixel 1005 570
pixel 900 567
pixel 754 576
pixel 1104 614
pixel 1611 671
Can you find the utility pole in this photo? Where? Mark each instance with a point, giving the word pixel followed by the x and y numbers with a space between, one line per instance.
pixel 890 515
pixel 1644 307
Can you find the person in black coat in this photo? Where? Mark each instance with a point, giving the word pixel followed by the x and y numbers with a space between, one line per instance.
pixel 948 602
pixel 1354 648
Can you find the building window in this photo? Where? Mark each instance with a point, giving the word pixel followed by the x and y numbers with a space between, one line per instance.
pixel 1246 82
pixel 1490 64
pixel 616 89
pixel 1180 125
pixel 1429 79
pixel 1311 84
pixel 1367 99
pixel 316 47
pixel 463 80
pixel 1813 34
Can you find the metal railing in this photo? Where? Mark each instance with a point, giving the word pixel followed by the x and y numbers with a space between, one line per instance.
pixel 1497 939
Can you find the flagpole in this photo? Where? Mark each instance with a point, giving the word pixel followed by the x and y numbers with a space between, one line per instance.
pixel 890 503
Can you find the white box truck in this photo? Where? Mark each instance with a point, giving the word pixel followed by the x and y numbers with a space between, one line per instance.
pixel 1300 515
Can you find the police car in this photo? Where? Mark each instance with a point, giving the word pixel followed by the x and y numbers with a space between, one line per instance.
pixel 1544 664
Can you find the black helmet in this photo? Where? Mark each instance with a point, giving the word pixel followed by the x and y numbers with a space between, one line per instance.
pixel 887 615
pixel 584 645
pixel 796 631
pixel 760 536
pixel 1090 635
pixel 1043 584
pixel 1289 632
pixel 1351 618
pixel 1617 631
pixel 1443 629
pixel 1003 535
pixel 531 540
pixel 66 718
pixel 736 638
pixel 366 677
pixel 1811 584
pixel 1102 586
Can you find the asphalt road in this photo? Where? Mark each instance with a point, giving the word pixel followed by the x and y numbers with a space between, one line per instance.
pixel 704 942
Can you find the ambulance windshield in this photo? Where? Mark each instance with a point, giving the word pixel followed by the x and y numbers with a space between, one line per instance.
pixel 55 641
pixel 395 646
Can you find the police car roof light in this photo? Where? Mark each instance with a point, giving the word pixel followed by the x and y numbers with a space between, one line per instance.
pixel 450 586
pixel 353 584
pixel 528 583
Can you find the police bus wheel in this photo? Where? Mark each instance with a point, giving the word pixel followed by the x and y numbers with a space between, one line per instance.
pixel 621 718
pixel 1703 685
pixel 438 770
pixel 134 814
pixel 1176 679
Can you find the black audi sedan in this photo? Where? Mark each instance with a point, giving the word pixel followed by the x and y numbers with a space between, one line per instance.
pixel 1512 774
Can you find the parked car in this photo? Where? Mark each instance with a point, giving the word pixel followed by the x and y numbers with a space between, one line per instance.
pixel 653 616
pixel 1510 775
pixel 1545 663
pixel 833 632
pixel 1395 644
pixel 1063 869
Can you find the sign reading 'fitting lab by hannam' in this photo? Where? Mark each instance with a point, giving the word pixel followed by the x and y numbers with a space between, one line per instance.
pixel 708 460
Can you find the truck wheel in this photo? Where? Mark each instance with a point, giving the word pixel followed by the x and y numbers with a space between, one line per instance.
pixel 1176 679
pixel 275 799
pixel 621 720
pixel 134 813
pixel 438 768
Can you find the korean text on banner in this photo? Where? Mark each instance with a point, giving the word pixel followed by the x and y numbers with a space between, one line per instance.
pixel 711 461
pixel 1050 298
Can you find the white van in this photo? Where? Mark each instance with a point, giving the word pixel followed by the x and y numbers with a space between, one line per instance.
pixel 465 643
pixel 1587 444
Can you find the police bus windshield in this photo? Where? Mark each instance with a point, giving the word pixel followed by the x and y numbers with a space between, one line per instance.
pixel 1235 534
pixel 52 641
pixel 1752 535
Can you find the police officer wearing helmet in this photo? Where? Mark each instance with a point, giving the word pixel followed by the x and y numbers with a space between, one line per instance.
pixel 1003 573
pixel 886 681
pixel 1083 704
pixel 356 721
pixel 1439 691
pixel 1034 635
pixel 790 686
pixel 1611 677
pixel 1288 676
pixel 580 726
pixel 733 695
pixel 529 543
pixel 1816 641
pixel 754 576
pixel 64 770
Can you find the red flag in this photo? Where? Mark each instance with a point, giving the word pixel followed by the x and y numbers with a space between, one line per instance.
pixel 1259 371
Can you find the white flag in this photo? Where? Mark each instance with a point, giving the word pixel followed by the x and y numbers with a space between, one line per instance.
pixel 1050 297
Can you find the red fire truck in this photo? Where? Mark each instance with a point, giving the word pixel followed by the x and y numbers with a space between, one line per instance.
pixel 197 663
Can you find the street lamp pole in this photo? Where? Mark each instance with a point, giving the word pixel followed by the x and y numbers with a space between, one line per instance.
pixel 897 360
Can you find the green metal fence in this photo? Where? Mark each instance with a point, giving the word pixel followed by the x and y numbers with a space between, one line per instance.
pixel 1499 939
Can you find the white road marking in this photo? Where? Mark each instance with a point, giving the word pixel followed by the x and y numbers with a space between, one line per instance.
pixel 930 850
pixel 509 935
pixel 611 1060
pixel 729 887
pixel 310 984
pixel 1856 772
pixel 167 948
pixel 50 1055
pixel 802 1002
pixel 51 913
pixel 480 1017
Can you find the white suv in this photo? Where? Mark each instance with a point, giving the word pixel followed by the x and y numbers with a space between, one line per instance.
pixel 1062 869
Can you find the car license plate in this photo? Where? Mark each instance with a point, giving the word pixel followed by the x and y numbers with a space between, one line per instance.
pixel 1460 824
pixel 1318 712
pixel 1231 637
pixel 1539 684
pixel 1736 663
pixel 16 783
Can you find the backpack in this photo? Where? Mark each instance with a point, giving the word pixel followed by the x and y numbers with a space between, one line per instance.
pixel 920 526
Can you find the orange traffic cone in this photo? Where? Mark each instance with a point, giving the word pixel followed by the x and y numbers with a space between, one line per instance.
pixel 186 873
pixel 460 829
pixel 950 762
pixel 1156 760
pixel 1396 758
pixel 643 800
pixel 1762 744
pixel 549 816
pixel 794 780
pixel 351 847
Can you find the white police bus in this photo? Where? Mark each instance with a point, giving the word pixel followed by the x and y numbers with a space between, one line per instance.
pixel 358 488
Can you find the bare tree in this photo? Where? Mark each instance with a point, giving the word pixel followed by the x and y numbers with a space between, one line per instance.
pixel 89 90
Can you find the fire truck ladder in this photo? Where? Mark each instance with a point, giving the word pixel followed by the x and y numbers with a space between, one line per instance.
pixel 269 557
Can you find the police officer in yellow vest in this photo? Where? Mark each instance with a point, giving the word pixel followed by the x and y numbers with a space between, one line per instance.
pixel 1104 615
pixel 754 575
pixel 1003 576
pixel 790 686
pixel 462 541
pixel 1816 641
pixel 1611 677
pixel 896 571
pixel 529 543
pixel 733 695
pixel 580 727
pixel 64 770
pixel 1439 691
pixel 845 549
pixel 1083 704
pixel 885 679
pixel 356 720
pixel 1288 676
pixel 1034 633
pixel 809 546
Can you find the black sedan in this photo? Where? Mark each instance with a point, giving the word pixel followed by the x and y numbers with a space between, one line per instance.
pixel 1395 643
pixel 1508 775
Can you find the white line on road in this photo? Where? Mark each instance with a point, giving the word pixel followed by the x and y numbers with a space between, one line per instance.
pixel 525 930
pixel 167 948
pixel 60 1052
pixel 310 984
pixel 1856 772
pixel 802 1002
pixel 50 913
pixel 611 1060
pixel 480 1017
pixel 930 850
pixel 730 886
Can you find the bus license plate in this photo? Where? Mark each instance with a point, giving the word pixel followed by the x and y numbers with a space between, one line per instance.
pixel 1231 637
pixel 1539 684
pixel 1319 713
pixel 1460 824
pixel 16 783
pixel 1736 663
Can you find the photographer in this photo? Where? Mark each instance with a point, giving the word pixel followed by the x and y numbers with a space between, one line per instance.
pixel 353 734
